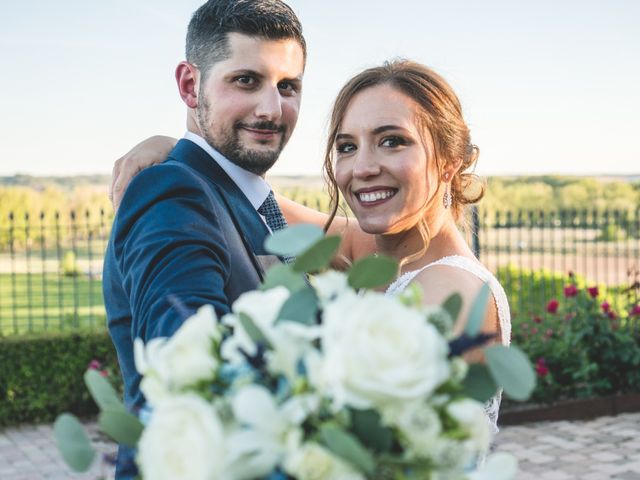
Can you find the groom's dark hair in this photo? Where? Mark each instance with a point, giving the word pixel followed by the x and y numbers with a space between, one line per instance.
pixel 207 41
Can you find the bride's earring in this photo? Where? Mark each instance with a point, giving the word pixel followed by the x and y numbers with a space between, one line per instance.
pixel 446 198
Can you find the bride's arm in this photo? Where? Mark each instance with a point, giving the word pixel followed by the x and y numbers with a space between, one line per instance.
pixel 153 150
pixel 355 242
pixel 148 152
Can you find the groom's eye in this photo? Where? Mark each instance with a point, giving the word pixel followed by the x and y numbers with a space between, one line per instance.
pixel 246 81
pixel 288 88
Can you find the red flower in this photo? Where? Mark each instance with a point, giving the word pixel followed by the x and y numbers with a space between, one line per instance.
pixel 541 367
pixel 570 291
pixel 537 319
pixel 552 306
pixel 534 330
pixel 605 307
pixel 635 311
pixel 549 332
pixel 593 291
pixel 612 315
pixel 542 370
pixel 94 365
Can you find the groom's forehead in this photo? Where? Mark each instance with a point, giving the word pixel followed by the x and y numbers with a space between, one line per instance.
pixel 283 56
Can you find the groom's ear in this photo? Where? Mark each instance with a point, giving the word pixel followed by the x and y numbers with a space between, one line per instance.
pixel 187 76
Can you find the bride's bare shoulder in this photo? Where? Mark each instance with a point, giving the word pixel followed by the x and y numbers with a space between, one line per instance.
pixel 440 281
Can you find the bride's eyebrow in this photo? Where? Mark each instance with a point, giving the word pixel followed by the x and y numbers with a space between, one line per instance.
pixel 386 128
pixel 343 136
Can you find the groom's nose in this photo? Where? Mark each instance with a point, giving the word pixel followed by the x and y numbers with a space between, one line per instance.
pixel 269 106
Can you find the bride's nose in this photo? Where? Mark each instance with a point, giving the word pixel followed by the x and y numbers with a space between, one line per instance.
pixel 365 165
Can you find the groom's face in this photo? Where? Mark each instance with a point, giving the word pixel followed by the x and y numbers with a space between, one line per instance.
pixel 248 104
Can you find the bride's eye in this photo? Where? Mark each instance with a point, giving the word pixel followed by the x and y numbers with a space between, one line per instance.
pixel 345 147
pixel 393 141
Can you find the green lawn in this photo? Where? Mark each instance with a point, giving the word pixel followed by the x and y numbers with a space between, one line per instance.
pixel 37 302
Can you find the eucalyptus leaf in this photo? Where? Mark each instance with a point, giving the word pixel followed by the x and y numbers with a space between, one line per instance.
pixel 301 307
pixel 319 256
pixel 348 447
pixel 294 240
pixel 372 272
pixel 479 384
pixel 478 311
pixel 511 370
pixel 73 442
pixel 253 330
pixel 101 390
pixel 368 427
pixel 282 275
pixel 453 305
pixel 123 427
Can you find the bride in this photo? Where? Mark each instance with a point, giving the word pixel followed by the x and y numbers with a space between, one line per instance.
pixel 398 152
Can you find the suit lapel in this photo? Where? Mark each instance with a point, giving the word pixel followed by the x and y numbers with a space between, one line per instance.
pixel 245 216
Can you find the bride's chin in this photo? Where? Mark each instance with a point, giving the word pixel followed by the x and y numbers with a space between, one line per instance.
pixel 372 228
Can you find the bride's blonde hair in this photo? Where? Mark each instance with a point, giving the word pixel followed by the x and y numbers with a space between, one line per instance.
pixel 440 119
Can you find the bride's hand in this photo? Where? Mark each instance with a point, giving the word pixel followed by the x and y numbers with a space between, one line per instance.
pixel 148 152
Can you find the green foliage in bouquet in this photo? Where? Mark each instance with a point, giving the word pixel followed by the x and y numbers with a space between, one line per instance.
pixel 305 379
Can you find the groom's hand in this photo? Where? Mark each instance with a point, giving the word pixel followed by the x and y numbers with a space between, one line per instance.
pixel 149 152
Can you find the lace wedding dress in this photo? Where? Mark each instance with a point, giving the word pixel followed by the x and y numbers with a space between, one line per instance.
pixel 502 306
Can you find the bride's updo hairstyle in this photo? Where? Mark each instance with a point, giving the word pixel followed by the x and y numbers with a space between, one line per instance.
pixel 440 118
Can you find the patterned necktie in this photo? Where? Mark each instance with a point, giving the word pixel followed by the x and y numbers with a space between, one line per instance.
pixel 272 214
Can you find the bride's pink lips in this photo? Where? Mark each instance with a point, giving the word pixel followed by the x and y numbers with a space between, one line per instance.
pixel 373 196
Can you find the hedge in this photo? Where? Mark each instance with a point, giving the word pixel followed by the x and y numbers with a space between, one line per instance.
pixel 42 376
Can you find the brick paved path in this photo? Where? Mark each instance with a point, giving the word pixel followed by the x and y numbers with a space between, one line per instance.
pixel 600 449
pixel 30 453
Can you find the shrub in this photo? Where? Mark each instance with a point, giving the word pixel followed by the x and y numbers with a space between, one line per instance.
pixel 528 289
pixel 582 347
pixel 42 376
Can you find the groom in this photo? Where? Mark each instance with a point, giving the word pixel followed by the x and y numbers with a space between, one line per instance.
pixel 190 231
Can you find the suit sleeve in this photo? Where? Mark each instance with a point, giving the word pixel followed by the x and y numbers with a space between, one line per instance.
pixel 168 245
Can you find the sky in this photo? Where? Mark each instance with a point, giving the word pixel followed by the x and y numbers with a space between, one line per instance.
pixel 547 86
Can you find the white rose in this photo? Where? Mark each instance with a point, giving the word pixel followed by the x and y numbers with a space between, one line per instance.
pixel 183 360
pixel 267 432
pixel 262 308
pixel 314 462
pixel 419 423
pixel 184 439
pixel 290 341
pixel 377 351
pixel 329 285
pixel 472 419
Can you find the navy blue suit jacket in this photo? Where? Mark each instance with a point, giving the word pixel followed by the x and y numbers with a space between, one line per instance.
pixel 184 230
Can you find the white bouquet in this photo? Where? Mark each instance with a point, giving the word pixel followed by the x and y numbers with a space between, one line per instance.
pixel 324 379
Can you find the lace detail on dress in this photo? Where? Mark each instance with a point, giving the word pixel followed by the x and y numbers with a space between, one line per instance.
pixel 492 407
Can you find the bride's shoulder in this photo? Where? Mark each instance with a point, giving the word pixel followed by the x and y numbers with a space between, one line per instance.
pixel 440 280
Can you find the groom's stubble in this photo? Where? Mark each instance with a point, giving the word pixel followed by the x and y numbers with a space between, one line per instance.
pixel 229 143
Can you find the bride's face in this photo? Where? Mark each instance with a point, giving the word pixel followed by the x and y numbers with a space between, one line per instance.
pixel 383 167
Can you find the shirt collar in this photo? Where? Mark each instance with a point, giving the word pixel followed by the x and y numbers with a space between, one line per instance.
pixel 255 188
